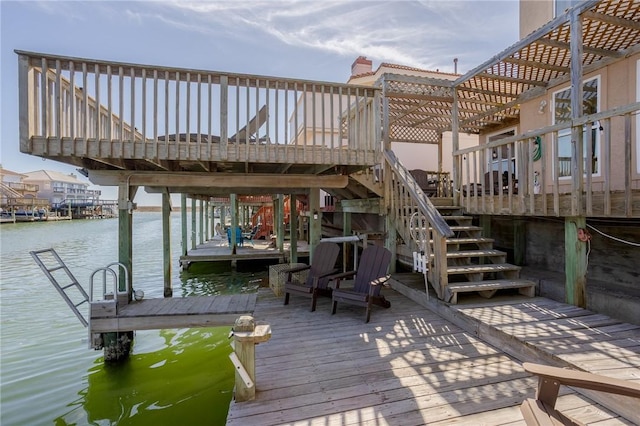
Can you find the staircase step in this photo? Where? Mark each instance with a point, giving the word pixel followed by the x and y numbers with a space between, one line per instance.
pixel 475 253
pixel 475 269
pixel 444 209
pixel 465 228
pixel 458 218
pixel 479 240
pixel 488 288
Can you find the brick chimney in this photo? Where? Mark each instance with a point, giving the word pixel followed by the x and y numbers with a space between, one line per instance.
pixel 361 65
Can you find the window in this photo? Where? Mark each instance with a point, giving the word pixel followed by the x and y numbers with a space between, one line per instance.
pixel 562 5
pixel 562 114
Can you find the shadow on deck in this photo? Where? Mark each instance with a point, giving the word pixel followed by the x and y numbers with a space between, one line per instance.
pixel 411 366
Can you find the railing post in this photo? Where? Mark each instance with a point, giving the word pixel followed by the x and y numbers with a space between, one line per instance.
pixel 246 335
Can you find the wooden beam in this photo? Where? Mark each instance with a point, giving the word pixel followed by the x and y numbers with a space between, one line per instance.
pixel 590 50
pixel 370 205
pixel 613 20
pixel 535 64
pixel 510 79
pixel 201 192
pixel 216 180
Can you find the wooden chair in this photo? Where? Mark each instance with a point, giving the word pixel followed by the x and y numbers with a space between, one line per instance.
pixel 369 278
pixel 541 410
pixel 320 269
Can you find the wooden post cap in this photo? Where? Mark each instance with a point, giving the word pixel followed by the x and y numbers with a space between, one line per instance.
pixel 244 323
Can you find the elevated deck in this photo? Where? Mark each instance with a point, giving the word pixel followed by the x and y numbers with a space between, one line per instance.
pixel 110 116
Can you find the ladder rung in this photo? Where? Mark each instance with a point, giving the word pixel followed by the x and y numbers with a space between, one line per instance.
pixel 80 303
pixel 56 268
pixel 67 286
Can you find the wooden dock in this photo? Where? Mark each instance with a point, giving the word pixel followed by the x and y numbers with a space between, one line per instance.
pixel 172 312
pixel 219 250
pixel 411 366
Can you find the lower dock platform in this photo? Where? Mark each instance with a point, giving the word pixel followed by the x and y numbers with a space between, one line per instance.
pixel 218 250
pixel 171 312
pixel 426 362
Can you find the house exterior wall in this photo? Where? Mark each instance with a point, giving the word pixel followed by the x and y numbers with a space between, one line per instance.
pixel 617 88
pixel 534 14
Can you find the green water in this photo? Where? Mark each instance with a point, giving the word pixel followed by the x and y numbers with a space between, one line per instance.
pixel 47 374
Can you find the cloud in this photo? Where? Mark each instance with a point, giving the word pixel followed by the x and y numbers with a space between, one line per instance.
pixel 424 33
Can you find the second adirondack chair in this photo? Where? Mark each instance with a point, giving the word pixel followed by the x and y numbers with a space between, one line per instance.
pixel 368 281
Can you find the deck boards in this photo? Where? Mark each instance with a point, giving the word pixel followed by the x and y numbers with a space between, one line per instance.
pixel 177 312
pixel 408 366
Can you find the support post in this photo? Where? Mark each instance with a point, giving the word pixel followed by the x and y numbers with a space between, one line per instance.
pixel 346 247
pixel 519 242
pixel 234 221
pixel 183 215
pixel 117 346
pixel 575 261
pixel 278 217
pixel 201 222
pixel 293 229
pixel 166 242
pixel 315 220
pixel 193 224
pixel 246 335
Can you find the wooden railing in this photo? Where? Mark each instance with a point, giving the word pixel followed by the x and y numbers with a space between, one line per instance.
pixel 120 110
pixel 526 175
pixel 413 209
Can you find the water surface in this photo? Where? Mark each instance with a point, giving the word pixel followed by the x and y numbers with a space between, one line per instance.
pixel 47 373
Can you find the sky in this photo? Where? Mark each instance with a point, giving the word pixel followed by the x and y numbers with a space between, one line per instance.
pixel 307 39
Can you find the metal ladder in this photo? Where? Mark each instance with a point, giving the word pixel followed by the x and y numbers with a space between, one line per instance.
pixel 49 261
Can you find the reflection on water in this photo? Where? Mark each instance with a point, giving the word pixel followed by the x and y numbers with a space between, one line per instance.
pixel 48 376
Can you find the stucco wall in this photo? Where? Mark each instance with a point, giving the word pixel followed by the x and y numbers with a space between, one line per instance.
pixel 534 14
pixel 617 88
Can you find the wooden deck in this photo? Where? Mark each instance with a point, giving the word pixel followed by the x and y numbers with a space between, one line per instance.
pixel 173 312
pixel 218 250
pixel 410 366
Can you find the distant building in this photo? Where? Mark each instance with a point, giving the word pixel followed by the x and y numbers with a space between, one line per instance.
pixel 13 190
pixel 62 189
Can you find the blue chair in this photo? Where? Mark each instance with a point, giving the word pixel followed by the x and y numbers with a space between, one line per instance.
pixel 239 239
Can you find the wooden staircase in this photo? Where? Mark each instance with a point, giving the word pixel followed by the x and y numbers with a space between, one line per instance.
pixel 473 265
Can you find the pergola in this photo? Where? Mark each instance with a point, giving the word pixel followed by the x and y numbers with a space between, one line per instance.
pixel 489 96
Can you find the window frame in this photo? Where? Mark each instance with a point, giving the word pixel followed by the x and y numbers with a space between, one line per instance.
pixel 567 132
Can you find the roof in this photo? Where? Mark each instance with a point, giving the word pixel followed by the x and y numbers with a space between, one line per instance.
pixel 53 176
pixel 7 172
pixel 490 95
pixel 411 70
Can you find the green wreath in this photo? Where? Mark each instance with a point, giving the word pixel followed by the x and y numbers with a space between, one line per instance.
pixel 537 148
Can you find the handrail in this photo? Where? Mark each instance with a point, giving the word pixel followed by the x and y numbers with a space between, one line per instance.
pixel 122 110
pixel 533 174
pixel 406 198
pixel 422 201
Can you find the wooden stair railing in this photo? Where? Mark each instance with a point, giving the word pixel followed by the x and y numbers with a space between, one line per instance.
pixel 458 258
pixel 410 204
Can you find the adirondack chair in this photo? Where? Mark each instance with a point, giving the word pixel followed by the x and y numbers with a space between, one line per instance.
pixel 541 410
pixel 369 278
pixel 320 269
